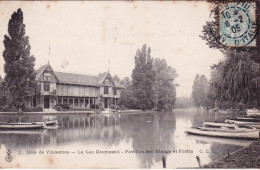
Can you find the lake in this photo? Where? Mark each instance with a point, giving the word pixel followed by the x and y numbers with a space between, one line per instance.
pixel 125 140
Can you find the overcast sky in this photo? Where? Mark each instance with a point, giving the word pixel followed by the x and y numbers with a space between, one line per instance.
pixel 85 36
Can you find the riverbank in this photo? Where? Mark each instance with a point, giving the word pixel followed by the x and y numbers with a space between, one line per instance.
pixel 247 157
pixel 88 112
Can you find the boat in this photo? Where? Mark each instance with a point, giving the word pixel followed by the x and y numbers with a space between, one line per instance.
pixel 211 139
pixel 224 134
pixel 219 124
pixel 236 129
pixel 49 122
pixel 253 112
pixel 20 126
pixel 241 122
pixel 250 119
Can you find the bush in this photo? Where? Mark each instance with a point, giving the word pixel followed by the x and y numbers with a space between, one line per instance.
pixel 26 109
pixel 63 106
pixel 58 108
pixel 7 108
pixel 92 106
pixel 112 106
pixel 37 109
pixel 122 107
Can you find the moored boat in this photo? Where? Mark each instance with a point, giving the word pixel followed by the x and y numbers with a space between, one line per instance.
pixel 20 126
pixel 219 124
pixel 250 119
pixel 224 134
pixel 49 122
pixel 241 122
pixel 253 112
pixel 236 129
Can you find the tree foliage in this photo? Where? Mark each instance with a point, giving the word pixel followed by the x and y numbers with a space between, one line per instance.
pixel 127 95
pixel 164 87
pixel 116 78
pixel 200 91
pixel 143 78
pixel 19 78
pixel 237 77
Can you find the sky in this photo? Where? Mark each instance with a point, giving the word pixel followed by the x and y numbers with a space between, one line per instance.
pixel 94 37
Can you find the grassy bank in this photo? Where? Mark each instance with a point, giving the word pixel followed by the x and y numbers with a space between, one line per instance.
pixel 247 157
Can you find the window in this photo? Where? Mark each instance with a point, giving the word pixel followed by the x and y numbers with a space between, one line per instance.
pixel 105 90
pixel 114 91
pixel 107 82
pixel 47 77
pixel 46 86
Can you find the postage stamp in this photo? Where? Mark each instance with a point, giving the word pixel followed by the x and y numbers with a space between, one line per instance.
pixel 237 24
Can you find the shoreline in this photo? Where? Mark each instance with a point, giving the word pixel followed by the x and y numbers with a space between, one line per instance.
pixel 88 112
pixel 246 157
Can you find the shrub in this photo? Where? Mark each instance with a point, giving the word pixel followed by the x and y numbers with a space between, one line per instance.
pixel 7 108
pixel 63 106
pixel 26 109
pixel 122 107
pixel 58 108
pixel 112 106
pixel 92 106
pixel 37 109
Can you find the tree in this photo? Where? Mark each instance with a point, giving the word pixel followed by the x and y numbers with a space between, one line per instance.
pixel 127 96
pixel 143 78
pixel 195 91
pixel 19 70
pixel 200 91
pixel 237 77
pixel 2 101
pixel 164 87
pixel 116 78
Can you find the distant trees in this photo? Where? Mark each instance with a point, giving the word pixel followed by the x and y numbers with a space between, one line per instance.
pixel 184 102
pixel 143 78
pixel 200 91
pixel 19 81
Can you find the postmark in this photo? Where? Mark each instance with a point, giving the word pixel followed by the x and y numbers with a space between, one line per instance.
pixel 237 24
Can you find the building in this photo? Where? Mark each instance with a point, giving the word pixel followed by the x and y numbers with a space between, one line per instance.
pixel 77 90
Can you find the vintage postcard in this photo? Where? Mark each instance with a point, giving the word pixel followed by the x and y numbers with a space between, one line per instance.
pixel 129 84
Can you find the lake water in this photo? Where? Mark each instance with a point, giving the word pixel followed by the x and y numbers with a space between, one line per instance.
pixel 115 141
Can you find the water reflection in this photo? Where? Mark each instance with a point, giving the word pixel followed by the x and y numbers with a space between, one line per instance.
pixel 148 136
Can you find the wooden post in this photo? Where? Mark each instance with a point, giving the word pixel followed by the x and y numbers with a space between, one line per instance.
pixel 228 153
pixel 198 159
pixel 164 161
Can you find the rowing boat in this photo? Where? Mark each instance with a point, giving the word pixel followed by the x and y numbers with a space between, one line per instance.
pixel 241 122
pixel 49 122
pixel 235 130
pixel 219 124
pixel 247 119
pixel 224 134
pixel 20 126
pixel 253 112
pixel 211 139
